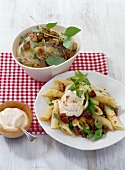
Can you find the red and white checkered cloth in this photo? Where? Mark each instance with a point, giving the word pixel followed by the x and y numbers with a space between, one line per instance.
pixel 16 85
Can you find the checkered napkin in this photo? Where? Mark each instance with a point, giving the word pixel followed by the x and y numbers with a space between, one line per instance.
pixel 16 85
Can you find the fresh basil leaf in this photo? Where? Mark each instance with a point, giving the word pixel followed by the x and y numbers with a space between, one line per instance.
pixel 51 104
pixel 111 107
pixel 55 60
pixel 71 31
pixel 51 25
pixel 67 44
pixel 79 93
pixel 70 126
pixel 34 29
pixel 35 56
pixel 56 115
pixel 65 39
pixel 98 134
pixel 91 107
pixel 72 88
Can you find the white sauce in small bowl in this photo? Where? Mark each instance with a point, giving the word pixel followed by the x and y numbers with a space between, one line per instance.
pixel 13 118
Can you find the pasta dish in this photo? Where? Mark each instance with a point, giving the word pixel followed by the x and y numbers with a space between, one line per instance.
pixel 77 107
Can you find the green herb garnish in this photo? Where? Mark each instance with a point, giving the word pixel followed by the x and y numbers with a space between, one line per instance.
pixel 35 56
pixel 70 125
pixel 111 107
pixel 51 25
pixel 56 115
pixel 43 41
pixel 67 44
pixel 98 134
pixel 91 107
pixel 79 93
pixel 51 104
pixel 54 60
pixel 98 123
pixel 71 31
pixel 86 129
pixel 72 88
pixel 80 77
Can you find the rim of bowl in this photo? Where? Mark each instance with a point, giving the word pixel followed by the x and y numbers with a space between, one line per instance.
pixel 53 66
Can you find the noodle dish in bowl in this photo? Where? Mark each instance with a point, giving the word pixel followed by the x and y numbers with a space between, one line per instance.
pixel 46 50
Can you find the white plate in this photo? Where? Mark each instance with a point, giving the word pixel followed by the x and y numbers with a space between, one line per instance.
pixel 116 90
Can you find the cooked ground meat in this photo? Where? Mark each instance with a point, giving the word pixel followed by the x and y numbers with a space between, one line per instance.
pixel 62 115
pixel 86 114
pixel 92 93
pixel 61 87
pixel 93 129
pixel 105 129
pixel 54 33
pixel 71 118
pixel 82 133
pixel 26 46
pixel 101 106
pixel 39 37
pixel 76 130
pixel 116 111
pixel 69 53
pixel 64 118
pixel 90 121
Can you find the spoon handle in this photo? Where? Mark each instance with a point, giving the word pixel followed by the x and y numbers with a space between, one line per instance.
pixel 31 137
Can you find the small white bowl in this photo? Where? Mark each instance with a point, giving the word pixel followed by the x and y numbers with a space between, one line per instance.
pixel 44 74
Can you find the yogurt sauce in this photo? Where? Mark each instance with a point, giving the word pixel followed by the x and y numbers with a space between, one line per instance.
pixel 71 104
pixel 12 118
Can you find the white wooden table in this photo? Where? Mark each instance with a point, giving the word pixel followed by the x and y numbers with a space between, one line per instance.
pixel 103 30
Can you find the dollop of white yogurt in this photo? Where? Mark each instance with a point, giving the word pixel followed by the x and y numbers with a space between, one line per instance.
pixel 13 118
pixel 71 104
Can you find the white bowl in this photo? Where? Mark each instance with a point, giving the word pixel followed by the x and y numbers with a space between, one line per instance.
pixel 44 74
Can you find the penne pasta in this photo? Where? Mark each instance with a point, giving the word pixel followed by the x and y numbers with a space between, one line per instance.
pixel 54 119
pixel 104 121
pixel 98 111
pixel 47 114
pixel 103 98
pixel 65 128
pixel 53 93
pixel 54 87
pixel 65 82
pixel 113 118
